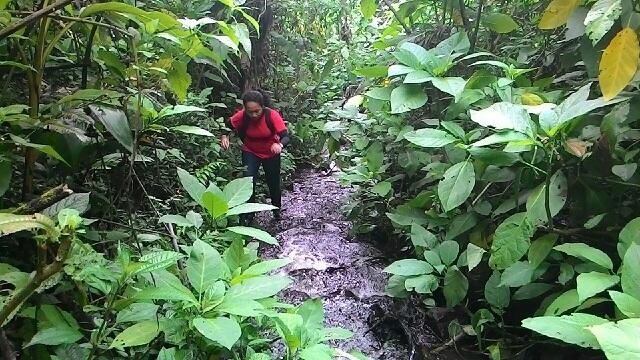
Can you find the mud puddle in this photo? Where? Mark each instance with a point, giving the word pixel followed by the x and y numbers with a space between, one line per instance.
pixel 345 272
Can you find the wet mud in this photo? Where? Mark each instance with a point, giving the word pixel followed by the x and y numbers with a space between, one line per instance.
pixel 345 272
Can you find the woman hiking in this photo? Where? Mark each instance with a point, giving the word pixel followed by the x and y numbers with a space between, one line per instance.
pixel 263 135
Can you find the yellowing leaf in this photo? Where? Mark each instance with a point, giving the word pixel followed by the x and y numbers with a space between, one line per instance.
pixel 531 99
pixel 577 147
pixel 557 13
pixel 619 63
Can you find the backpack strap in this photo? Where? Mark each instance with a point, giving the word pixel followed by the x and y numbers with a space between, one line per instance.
pixel 242 131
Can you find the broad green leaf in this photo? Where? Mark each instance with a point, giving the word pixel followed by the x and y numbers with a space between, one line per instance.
pixel 175 219
pixel 194 130
pixel 266 266
pixel 141 333
pixel 586 252
pixel 500 23
pixel 627 304
pixel 536 203
pixel 249 208
pixel 511 241
pixel 11 223
pixel 457 184
pixel 461 224
pixel 193 187
pixel 137 312
pixel 5 176
pixel 396 70
pixel 418 77
pixel 178 109
pixel 116 123
pixel 317 352
pixel 417 51
pixel 157 260
pixel 540 248
pixel 474 255
pixel 501 138
pixel 20 66
pixel 254 233
pixel 368 8
pixel 495 294
pixel 619 63
pixel 557 13
pixel 224 331
pixel 455 286
pixel 628 235
pixel 448 251
pixel 204 267
pixel 563 303
pixel 259 287
pixel 457 43
pixel 46 149
pixel 430 138
pixel 422 237
pixel 570 328
pixel 167 287
pixel 517 275
pixel 451 85
pixel 179 79
pixel 240 307
pixel 373 72
pixel 409 267
pixel 619 341
pixel 242 33
pixel 531 291
pixel 57 335
pixel 75 201
pixel 380 93
pixel 494 157
pixel 592 283
pixel 630 270
pixel 504 115
pixel 406 98
pixel 238 191
pixel 601 18
pixel 382 188
pixel 626 171
pixel 423 284
pixel 215 204
pixel 594 221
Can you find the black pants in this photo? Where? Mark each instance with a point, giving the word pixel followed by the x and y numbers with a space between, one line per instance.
pixel 271 168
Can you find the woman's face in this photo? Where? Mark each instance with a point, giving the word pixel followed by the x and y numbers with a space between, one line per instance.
pixel 253 109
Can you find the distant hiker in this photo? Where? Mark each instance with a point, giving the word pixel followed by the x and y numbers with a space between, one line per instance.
pixel 263 135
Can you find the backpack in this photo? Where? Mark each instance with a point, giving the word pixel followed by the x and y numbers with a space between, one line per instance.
pixel 242 130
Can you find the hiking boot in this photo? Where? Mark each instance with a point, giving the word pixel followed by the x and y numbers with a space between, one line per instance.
pixel 276 215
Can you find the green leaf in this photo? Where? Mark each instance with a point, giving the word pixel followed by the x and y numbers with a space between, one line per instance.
pixel 5 176
pixel 194 130
pixel 191 184
pixel 137 312
pixel 586 252
pixel 138 334
pixel 418 77
pixel 222 330
pixel 540 248
pixel 624 172
pixel 75 201
pixel 264 267
pixel 259 287
pixel 179 79
pixel 495 294
pixel 380 93
pixel 592 283
pixel 457 184
pixel 382 188
pixel 594 221
pixel 368 8
pixel 504 115
pixel 451 85
pixel 430 138
pixel 242 32
pixel 175 219
pixel 157 260
pixel 448 251
pixel 627 304
pixel 455 286
pixel 628 235
pixel 240 307
pixel 406 98
pixel 178 109
pixel 601 18
pixel 46 149
pixel 474 255
pixel 409 267
pixel 565 302
pixel 511 241
pixel 423 284
pixel 618 340
pixel 249 208
pixel 116 123
pixel 168 287
pixel 11 223
pixel 500 23
pixel 501 138
pixel 630 270
pixel 317 352
pixel 57 335
pixel 516 275
pixel 204 266
pixel 461 224
pixel 238 191
pixel 374 72
pixel 494 157
pixel 215 204
pixel 531 291
pixel 536 203
pixel 571 329
pixel 254 233
pixel 422 237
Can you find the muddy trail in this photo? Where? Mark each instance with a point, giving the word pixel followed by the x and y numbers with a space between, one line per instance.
pixel 345 272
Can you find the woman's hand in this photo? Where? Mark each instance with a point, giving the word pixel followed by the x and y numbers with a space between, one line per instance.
pixel 276 148
pixel 224 141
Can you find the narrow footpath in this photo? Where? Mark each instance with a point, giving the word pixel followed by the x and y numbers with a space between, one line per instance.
pixel 345 272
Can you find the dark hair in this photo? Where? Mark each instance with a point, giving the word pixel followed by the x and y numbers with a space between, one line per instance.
pixel 258 96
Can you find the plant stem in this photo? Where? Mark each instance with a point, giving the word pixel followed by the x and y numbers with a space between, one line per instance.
pixel 477 26
pixel 397 16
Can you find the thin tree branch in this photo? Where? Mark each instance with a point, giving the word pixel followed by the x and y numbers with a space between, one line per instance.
pixel 395 13
pixel 12 28
pixel 477 26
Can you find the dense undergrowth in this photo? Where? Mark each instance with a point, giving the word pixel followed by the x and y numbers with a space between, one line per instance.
pixel 497 140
